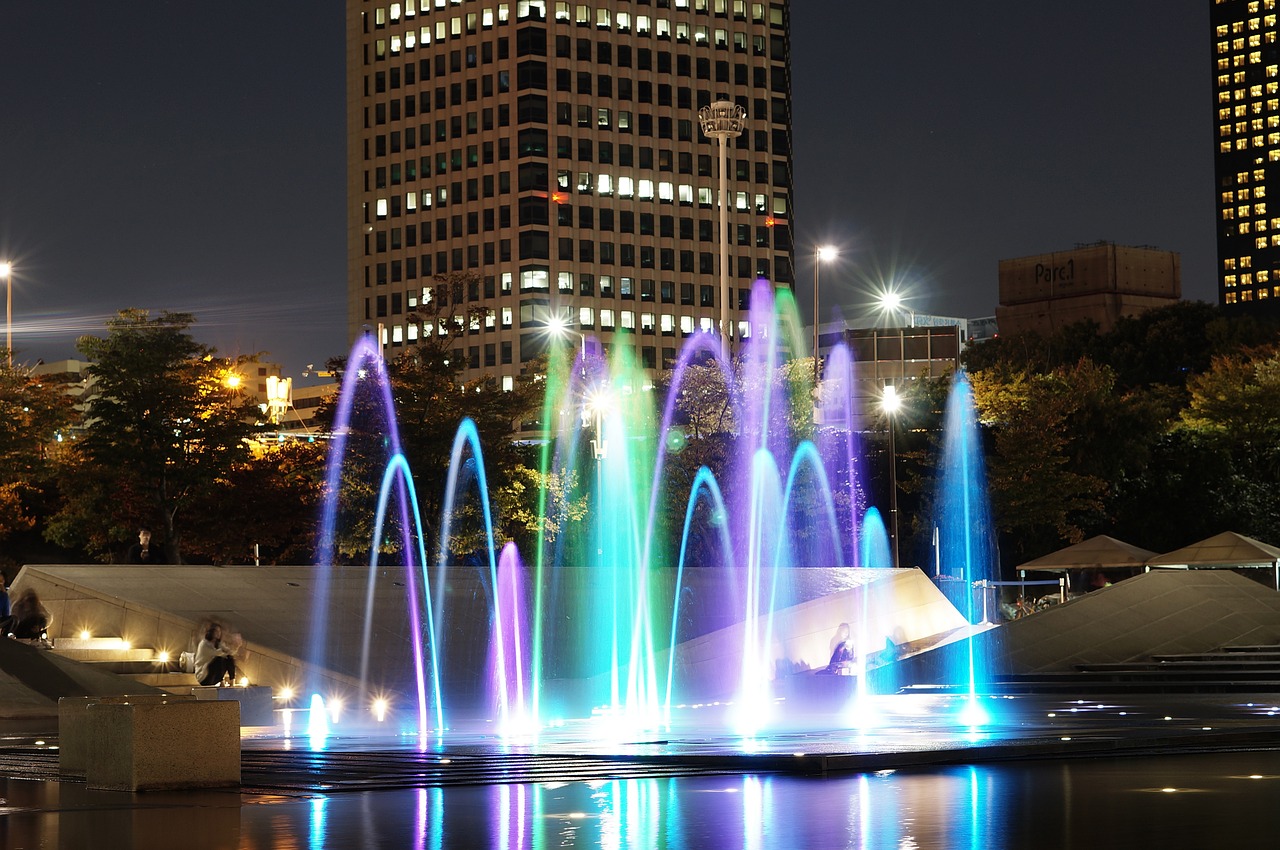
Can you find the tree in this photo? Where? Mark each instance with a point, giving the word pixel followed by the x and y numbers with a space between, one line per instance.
pixel 164 429
pixel 34 411
pixel 273 505
pixel 1039 497
pixel 431 400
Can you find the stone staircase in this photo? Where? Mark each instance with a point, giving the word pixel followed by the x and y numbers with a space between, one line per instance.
pixel 1226 670
pixel 158 670
pixel 142 664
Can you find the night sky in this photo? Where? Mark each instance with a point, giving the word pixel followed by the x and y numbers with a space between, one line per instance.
pixel 190 156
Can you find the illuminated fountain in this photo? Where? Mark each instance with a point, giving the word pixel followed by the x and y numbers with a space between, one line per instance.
pixel 671 559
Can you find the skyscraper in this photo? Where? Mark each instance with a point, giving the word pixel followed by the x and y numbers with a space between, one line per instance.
pixel 1247 167
pixel 549 156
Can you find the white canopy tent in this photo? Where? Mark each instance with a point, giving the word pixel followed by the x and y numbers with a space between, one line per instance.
pixel 1224 551
pixel 1096 553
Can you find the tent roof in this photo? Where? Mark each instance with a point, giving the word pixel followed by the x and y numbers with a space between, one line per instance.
pixel 1221 550
pixel 1101 551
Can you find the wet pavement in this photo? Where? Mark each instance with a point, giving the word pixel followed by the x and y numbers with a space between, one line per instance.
pixel 1163 772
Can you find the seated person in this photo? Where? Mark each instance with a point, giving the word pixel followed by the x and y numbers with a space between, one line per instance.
pixel 841 662
pixel 215 659
pixel 28 619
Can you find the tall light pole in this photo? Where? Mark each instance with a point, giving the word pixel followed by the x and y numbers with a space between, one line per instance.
pixel 559 326
pixel 890 403
pixel 6 271
pixel 820 256
pixel 724 120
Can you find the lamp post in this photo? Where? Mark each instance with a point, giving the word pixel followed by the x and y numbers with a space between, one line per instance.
pixel 890 403
pixel 559 326
pixel 723 121
pixel 6 271
pixel 279 397
pixel 820 256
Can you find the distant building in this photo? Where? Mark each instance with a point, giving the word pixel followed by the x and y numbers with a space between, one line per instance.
pixel 1246 103
pixel 893 356
pixel 1102 282
pixel 552 153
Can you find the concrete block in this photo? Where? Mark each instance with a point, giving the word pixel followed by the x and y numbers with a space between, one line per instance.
pixel 176 744
pixel 73 726
pixel 255 702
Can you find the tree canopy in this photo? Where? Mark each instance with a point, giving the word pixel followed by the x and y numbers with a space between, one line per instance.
pixel 164 429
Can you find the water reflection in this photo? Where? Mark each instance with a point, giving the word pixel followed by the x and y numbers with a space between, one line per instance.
pixel 1170 801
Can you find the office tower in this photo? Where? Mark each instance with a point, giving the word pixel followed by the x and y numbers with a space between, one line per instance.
pixel 1100 282
pixel 549 155
pixel 1247 167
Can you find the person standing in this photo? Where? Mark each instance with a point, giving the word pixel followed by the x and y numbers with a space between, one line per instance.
pixel 143 552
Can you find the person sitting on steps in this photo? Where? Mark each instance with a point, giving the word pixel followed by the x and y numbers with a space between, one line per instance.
pixel 28 619
pixel 215 659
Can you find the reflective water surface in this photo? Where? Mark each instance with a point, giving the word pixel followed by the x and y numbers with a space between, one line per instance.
pixel 1202 801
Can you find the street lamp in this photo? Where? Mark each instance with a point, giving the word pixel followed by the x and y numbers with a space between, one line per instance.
pixel 558 325
pixel 6 271
pixel 891 403
pixel 279 397
pixel 724 120
pixel 893 302
pixel 824 253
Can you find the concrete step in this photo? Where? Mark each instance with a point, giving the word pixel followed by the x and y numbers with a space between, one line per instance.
pixel 173 682
pixel 98 643
pixel 108 656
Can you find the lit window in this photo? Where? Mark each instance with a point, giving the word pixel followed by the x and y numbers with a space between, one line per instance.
pixel 382 208
pixel 508 383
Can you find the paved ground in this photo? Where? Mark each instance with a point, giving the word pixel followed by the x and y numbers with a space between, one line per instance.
pixel 285 780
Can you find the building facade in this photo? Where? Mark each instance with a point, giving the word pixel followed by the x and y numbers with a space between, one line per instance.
pixel 1100 282
pixel 540 164
pixel 1246 102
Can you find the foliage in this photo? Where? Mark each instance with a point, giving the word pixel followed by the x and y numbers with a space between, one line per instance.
pixel 431 400
pixel 34 412
pixel 164 430
pixel 273 505
pixel 1038 495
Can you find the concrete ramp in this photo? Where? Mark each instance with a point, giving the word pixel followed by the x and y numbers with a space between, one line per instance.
pixel 166 608
pixel 33 679
pixel 901 606
pixel 1165 612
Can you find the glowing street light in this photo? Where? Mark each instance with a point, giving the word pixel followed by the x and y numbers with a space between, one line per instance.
pixel 6 272
pixel 891 403
pixel 823 254
pixel 279 397
pixel 892 302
